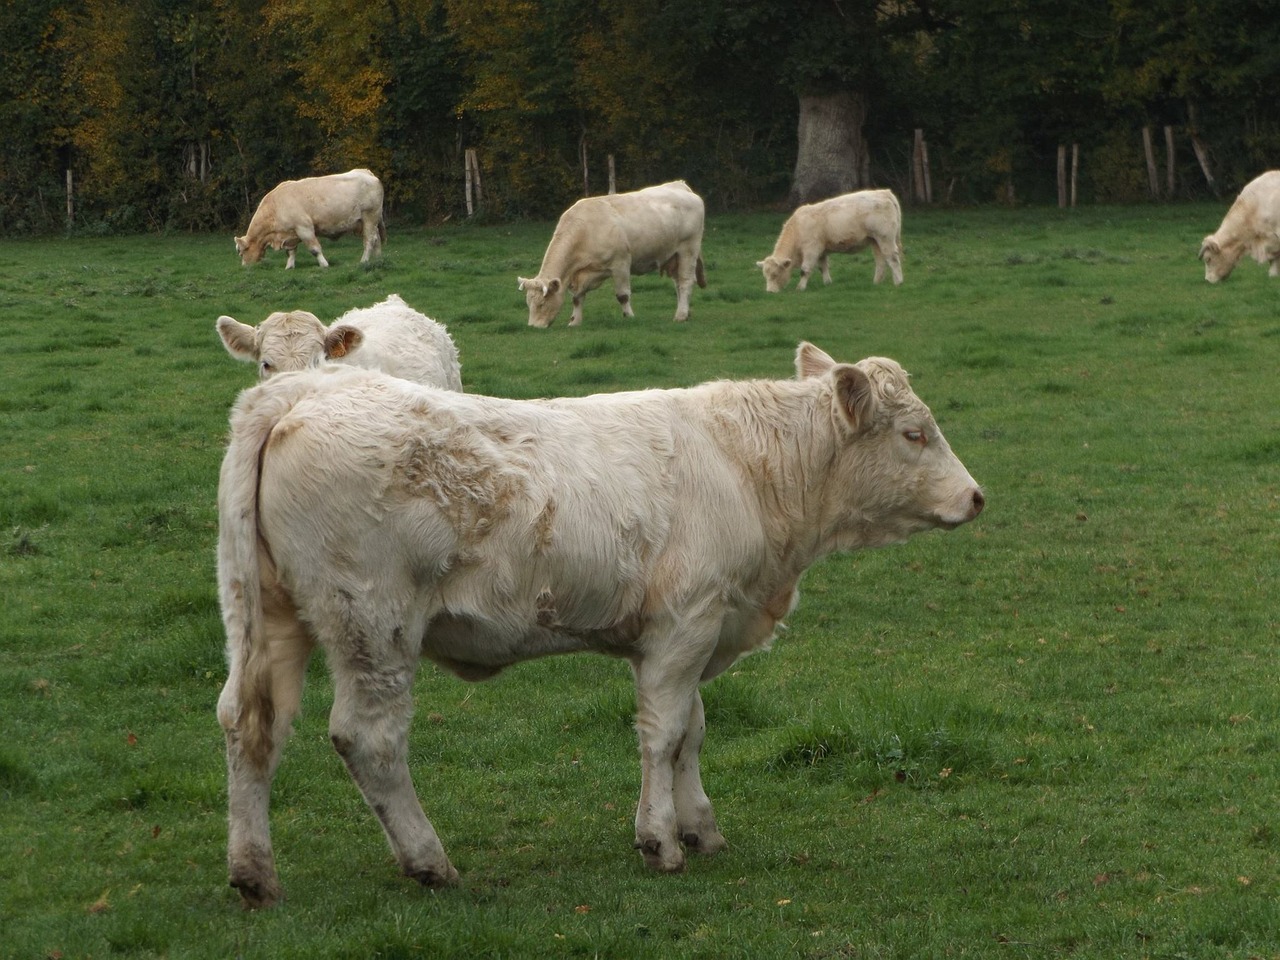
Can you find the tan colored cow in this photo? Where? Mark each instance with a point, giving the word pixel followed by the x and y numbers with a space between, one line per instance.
pixel 385 522
pixel 844 224
pixel 390 336
pixel 620 235
pixel 301 211
pixel 1251 226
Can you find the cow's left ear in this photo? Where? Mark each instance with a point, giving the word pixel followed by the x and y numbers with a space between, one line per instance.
pixel 340 341
pixel 854 396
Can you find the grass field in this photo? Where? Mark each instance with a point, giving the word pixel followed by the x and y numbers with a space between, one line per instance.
pixel 1051 733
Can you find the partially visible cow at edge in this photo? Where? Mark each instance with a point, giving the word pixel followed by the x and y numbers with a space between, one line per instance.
pixel 300 211
pixel 390 336
pixel 1251 226
pixel 386 522
pixel 844 224
pixel 620 235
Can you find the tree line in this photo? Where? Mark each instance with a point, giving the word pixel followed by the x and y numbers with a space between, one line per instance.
pixel 126 115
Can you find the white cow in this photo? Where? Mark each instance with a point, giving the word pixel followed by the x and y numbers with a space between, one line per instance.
pixel 390 336
pixel 1252 226
pixel 299 211
pixel 384 522
pixel 620 235
pixel 843 224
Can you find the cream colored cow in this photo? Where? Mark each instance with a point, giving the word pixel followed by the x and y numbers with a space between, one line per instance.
pixel 620 235
pixel 301 211
pixel 390 336
pixel 1251 226
pixel 385 522
pixel 844 224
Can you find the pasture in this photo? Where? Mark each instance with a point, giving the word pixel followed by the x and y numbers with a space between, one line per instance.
pixel 1050 733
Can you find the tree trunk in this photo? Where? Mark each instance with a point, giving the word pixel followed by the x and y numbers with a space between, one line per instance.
pixel 832 153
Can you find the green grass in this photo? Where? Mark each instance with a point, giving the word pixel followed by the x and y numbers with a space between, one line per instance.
pixel 1052 733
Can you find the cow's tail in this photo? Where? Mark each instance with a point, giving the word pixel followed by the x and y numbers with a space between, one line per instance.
pixel 246 708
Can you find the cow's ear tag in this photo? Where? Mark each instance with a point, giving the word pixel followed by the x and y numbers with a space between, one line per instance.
pixel 854 395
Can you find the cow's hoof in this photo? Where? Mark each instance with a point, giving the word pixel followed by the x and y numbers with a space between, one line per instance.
pixel 257 893
pixel 665 858
pixel 707 844
pixel 434 879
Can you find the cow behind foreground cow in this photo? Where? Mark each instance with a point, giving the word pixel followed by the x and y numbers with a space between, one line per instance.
pixel 844 224
pixel 620 235
pixel 300 211
pixel 390 336
pixel 1251 226
pixel 385 522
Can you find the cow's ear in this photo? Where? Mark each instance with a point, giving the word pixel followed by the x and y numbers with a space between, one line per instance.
pixel 854 396
pixel 340 341
pixel 552 285
pixel 1209 245
pixel 240 339
pixel 784 262
pixel 811 361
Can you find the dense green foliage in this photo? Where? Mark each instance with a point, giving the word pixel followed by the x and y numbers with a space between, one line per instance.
pixel 180 114
pixel 1051 733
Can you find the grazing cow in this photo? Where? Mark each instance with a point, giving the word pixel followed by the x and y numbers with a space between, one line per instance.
pixel 299 211
pixel 1252 226
pixel 385 522
pixel 843 224
pixel 620 235
pixel 390 336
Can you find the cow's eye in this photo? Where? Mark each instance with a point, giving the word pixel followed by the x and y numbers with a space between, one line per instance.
pixel 914 436
pixel 266 368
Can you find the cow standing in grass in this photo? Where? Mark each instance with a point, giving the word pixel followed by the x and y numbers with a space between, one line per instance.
pixel 390 336
pixel 301 211
pixel 1251 226
pixel 844 224
pixel 386 522
pixel 618 235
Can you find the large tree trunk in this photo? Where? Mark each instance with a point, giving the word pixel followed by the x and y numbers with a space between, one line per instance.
pixel 832 156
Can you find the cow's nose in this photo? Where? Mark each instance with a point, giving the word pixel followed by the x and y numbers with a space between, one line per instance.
pixel 979 501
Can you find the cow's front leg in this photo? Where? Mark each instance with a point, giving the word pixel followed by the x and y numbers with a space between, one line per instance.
pixel 308 236
pixel 369 726
pixel 576 318
pixel 293 253
pixel 666 687
pixel 1275 268
pixel 697 821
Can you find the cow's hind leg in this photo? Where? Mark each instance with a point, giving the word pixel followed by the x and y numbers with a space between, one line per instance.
pixel 369 725
pixel 825 266
pixel 686 271
pixel 622 289
pixel 251 768
pixel 697 821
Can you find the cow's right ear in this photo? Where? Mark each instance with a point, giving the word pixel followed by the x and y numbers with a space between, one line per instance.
pixel 340 341
pixel 811 361
pixel 1209 245
pixel 240 339
pixel 553 285
pixel 854 396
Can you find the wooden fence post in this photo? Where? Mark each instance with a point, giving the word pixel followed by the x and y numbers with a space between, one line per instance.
pixel 471 174
pixel 71 203
pixel 1075 170
pixel 922 181
pixel 613 184
pixel 1062 176
pixel 1168 161
pixel 1153 179
pixel 582 150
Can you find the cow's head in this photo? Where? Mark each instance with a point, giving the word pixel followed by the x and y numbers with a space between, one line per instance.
pixel 777 273
pixel 285 342
pixel 1218 261
pixel 894 473
pixel 250 252
pixel 544 297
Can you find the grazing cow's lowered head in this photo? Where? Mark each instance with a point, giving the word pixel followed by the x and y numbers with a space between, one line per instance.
pixel 249 253
pixel 777 273
pixel 285 342
pixel 1218 262
pixel 544 297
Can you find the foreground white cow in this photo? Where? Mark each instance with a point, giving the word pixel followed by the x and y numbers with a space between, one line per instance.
pixel 843 224
pixel 384 522
pixel 1251 226
pixel 299 211
pixel 620 235
pixel 390 336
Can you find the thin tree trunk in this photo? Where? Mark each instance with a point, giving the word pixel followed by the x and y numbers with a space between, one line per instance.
pixel 1062 177
pixel 1075 171
pixel 1153 179
pixel 1169 183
